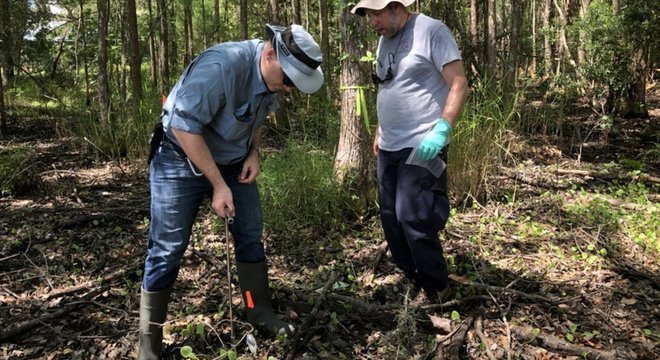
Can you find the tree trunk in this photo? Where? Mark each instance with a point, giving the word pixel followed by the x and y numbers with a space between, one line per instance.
pixel 204 41
pixel 635 97
pixel 325 46
pixel 532 70
pixel 562 41
pixel 435 9
pixel 281 120
pixel 352 159
pixel 472 56
pixel 6 36
pixel 187 31
pixel 243 10
pixel 512 66
pixel 3 112
pixel 124 56
pixel 295 5
pixel 547 47
pixel 275 13
pixel 306 14
pixel 216 21
pixel 163 53
pixel 153 57
pixel 88 100
pixel 173 51
pixel 103 84
pixel 474 24
pixel 491 43
pixel 135 53
pixel 581 34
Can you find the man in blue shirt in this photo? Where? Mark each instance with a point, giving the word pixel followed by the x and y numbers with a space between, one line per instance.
pixel 212 122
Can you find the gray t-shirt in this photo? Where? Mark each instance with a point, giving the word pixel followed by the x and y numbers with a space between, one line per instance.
pixel 410 103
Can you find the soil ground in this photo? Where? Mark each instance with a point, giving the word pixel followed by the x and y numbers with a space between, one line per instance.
pixel 553 267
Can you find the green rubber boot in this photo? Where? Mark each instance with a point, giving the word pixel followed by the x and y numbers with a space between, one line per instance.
pixel 153 311
pixel 253 279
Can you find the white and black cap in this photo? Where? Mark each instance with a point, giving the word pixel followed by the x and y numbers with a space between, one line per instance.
pixel 299 56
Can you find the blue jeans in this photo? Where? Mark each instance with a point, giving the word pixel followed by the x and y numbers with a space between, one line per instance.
pixel 176 195
pixel 413 208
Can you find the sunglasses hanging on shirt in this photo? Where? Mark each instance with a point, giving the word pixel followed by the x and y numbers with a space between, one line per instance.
pixel 390 58
pixel 388 75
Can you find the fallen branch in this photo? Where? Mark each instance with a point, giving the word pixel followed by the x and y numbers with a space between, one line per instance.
pixel 455 341
pixel 539 298
pixel 297 343
pixel 373 308
pixel 555 344
pixel 27 325
pixel 482 337
pixel 609 176
pixel 382 249
pixel 88 284
pixel 84 219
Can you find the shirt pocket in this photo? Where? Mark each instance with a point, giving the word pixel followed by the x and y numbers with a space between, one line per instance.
pixel 237 125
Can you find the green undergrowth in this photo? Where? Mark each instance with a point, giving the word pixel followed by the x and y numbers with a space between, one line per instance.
pixel 299 190
pixel 17 172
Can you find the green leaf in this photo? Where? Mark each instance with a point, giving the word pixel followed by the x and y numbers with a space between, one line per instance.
pixel 570 337
pixel 536 332
pixel 455 315
pixel 647 332
pixel 188 353
pixel 231 355
pixel 200 329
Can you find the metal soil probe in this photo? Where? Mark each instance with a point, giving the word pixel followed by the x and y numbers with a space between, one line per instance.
pixel 228 221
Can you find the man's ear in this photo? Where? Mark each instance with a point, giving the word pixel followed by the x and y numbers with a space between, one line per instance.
pixel 270 53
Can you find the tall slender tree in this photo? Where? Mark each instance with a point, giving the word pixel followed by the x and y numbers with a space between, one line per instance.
pixel 153 56
pixel 6 38
pixel 547 47
pixel 243 21
pixel 295 8
pixel 512 63
pixel 164 47
pixel 3 112
pixel 187 31
pixel 353 155
pixel 103 87
pixel 491 45
pixel 136 54
pixel 325 45
pixel 216 21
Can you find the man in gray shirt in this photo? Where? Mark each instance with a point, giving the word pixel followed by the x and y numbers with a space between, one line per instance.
pixel 421 90
pixel 212 122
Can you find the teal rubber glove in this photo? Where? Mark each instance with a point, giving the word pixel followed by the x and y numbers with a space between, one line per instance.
pixel 435 140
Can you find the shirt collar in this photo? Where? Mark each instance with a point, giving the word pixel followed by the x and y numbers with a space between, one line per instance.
pixel 258 83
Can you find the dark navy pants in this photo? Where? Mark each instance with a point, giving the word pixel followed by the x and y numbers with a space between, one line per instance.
pixel 413 208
